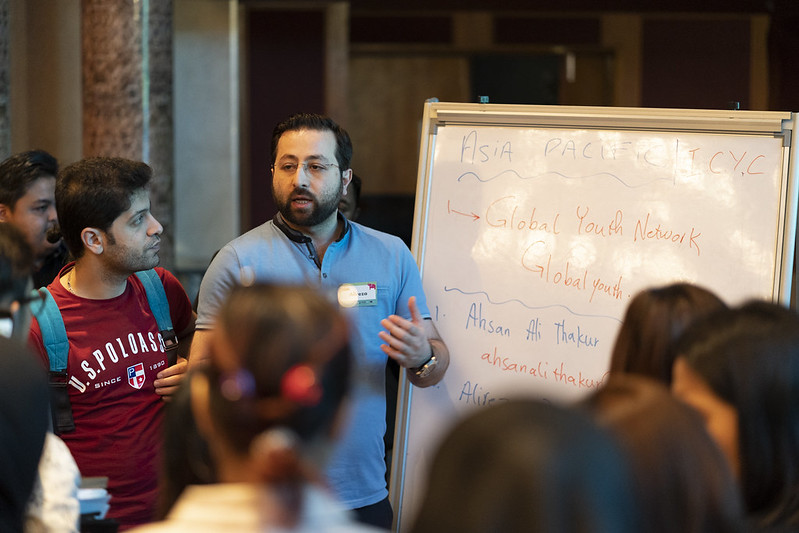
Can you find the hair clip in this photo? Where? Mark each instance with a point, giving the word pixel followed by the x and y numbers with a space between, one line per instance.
pixel 237 384
pixel 299 384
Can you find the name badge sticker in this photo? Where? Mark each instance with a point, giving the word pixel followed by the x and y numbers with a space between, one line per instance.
pixel 358 294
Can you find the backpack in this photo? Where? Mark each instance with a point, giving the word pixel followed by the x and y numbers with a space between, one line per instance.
pixel 54 338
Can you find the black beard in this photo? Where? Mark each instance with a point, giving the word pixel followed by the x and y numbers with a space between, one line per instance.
pixel 318 214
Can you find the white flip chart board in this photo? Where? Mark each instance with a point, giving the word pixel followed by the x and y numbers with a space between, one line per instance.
pixel 535 225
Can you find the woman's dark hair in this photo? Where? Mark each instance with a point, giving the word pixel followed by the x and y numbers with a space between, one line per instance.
pixel 278 376
pixel 683 481
pixel 93 192
pixel 654 320
pixel 286 337
pixel 185 455
pixel 749 357
pixel 312 121
pixel 24 417
pixel 527 466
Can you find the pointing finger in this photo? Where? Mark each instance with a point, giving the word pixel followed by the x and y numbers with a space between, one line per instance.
pixel 416 316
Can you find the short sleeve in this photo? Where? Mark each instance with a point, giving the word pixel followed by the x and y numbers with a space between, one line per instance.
pixel 222 275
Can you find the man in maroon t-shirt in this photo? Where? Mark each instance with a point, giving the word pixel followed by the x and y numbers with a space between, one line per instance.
pixel 117 369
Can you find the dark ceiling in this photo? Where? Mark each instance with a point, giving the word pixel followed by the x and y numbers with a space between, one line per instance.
pixel 716 6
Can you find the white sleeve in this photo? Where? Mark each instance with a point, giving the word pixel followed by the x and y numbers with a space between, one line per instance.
pixel 54 503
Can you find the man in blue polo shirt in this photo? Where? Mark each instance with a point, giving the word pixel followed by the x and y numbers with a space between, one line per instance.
pixel 373 276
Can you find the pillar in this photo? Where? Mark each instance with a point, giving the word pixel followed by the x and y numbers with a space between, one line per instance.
pixel 5 67
pixel 126 49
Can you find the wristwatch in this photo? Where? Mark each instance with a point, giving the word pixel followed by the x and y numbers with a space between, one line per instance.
pixel 426 368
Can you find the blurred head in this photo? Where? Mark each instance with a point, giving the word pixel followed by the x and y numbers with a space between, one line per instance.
pixel 682 480
pixel 95 192
pixel 654 320
pixel 16 262
pixel 279 370
pixel 185 457
pixel 27 184
pixel 526 466
pixel 740 369
pixel 24 418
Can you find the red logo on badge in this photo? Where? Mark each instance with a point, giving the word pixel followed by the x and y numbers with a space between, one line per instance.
pixel 136 375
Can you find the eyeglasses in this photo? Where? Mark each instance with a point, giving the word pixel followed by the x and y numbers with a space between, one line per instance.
pixel 312 168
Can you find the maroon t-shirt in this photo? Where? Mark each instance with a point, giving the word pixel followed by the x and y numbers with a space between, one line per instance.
pixel 115 353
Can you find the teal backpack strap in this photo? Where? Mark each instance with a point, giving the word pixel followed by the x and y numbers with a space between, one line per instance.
pixel 54 335
pixel 56 343
pixel 159 305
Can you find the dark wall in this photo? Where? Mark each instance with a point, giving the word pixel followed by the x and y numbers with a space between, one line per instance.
pixel 674 6
pixel 285 67
pixel 685 63
pixel 784 61
pixel 695 63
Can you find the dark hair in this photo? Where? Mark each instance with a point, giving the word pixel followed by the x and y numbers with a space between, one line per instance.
pixel 654 320
pixel 19 171
pixel 749 357
pixel 527 466
pixel 683 481
pixel 24 417
pixel 185 456
pixel 276 330
pixel 289 380
pixel 311 121
pixel 93 192
pixel 16 262
pixel 355 184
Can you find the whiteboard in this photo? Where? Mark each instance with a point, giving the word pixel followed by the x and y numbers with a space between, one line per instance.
pixel 535 225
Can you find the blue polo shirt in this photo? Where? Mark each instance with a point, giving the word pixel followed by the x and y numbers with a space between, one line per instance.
pixel 274 253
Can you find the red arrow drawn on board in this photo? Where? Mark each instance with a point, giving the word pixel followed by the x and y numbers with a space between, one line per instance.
pixel 472 215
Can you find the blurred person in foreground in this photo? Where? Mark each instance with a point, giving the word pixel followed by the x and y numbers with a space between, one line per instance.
pixel 739 368
pixel 269 402
pixel 23 425
pixel 654 320
pixel 682 480
pixel 528 467
pixel 53 503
